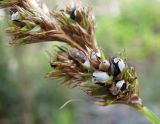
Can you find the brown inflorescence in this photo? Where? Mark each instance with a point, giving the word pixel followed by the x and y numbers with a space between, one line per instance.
pixel 82 64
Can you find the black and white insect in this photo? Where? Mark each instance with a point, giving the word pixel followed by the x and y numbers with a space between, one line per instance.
pixel 118 87
pixel 16 18
pixel 87 64
pixel 100 77
pixel 117 65
pixel 121 85
pixel 73 14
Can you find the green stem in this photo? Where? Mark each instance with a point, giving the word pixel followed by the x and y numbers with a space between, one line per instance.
pixel 147 113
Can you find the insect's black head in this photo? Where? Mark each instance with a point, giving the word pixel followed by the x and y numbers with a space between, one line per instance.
pixel 117 65
pixel 73 14
pixel 114 67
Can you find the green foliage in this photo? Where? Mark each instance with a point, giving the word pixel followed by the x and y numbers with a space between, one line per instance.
pixel 9 93
pixel 135 29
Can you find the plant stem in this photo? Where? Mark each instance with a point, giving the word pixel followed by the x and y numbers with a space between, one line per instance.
pixel 147 113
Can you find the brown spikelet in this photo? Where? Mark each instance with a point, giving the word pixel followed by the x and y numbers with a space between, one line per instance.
pixel 8 3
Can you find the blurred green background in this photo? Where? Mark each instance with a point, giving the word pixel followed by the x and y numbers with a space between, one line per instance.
pixel 26 97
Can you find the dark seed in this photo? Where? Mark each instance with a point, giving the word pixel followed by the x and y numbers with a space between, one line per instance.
pixel 123 87
pixel 53 65
pixel 73 16
pixel 114 68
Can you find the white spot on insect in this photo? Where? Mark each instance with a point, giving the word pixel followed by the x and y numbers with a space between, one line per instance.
pixel 15 16
pixel 87 63
pixel 120 84
pixel 100 77
pixel 93 55
pixel 116 60
pixel 118 87
pixel 120 63
pixel 75 12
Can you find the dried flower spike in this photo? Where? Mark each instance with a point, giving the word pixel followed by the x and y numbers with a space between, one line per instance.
pixel 8 3
pixel 82 64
